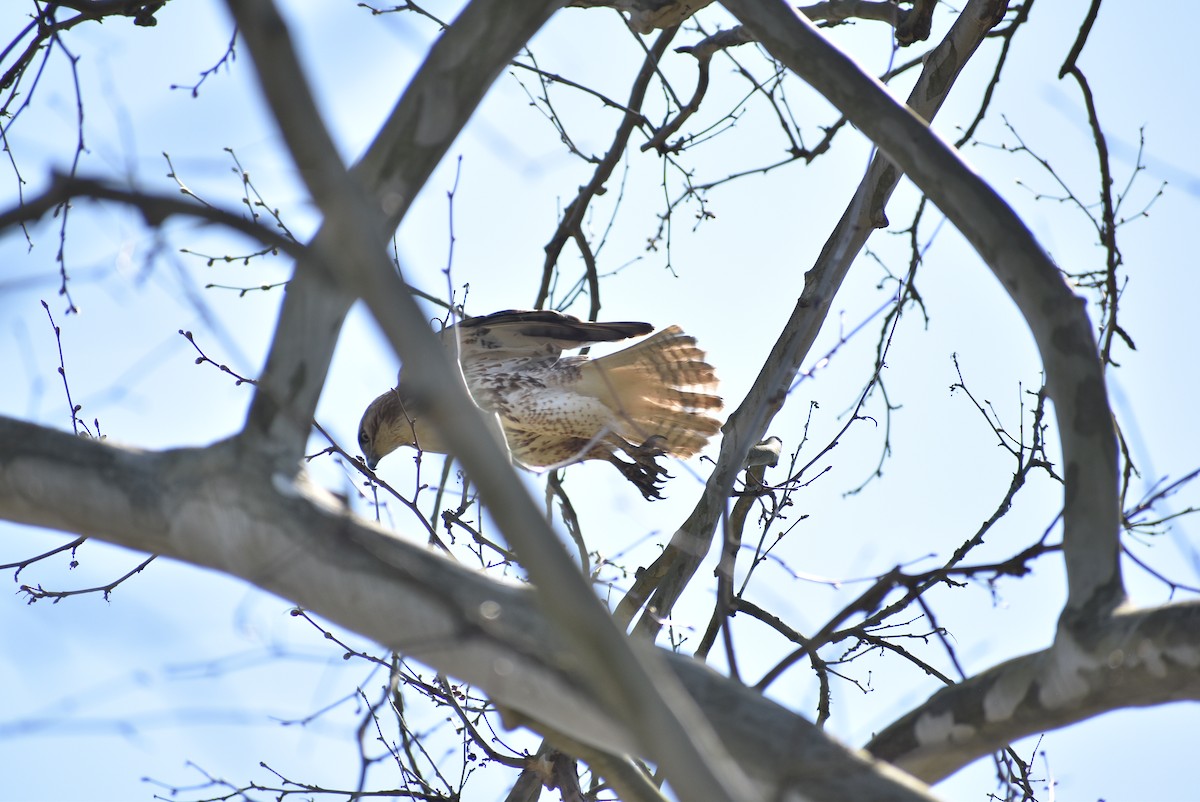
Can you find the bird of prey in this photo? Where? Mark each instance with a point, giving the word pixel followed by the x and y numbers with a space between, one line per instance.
pixel 653 398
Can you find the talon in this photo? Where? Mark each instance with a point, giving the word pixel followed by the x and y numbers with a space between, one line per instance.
pixel 655 446
pixel 644 472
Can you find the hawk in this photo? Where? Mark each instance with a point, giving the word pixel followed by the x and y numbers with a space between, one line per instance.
pixel 653 398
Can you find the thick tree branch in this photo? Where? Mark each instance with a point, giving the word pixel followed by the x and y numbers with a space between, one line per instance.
pixel 1056 317
pixel 841 10
pixel 437 103
pixel 646 15
pixel 634 686
pixel 670 573
pixel 221 507
pixel 1148 657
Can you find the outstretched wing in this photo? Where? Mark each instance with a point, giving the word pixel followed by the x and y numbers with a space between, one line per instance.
pixel 524 334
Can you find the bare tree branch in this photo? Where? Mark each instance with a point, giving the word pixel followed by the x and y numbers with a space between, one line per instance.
pixel 222 507
pixel 571 225
pixel 646 15
pixel 433 109
pixel 1056 317
pixel 669 725
pixel 155 209
pixel 660 584
pixel 1147 657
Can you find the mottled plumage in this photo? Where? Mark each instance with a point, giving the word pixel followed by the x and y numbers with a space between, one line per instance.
pixel 655 397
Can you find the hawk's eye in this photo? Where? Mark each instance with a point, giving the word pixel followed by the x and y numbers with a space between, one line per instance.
pixel 363 439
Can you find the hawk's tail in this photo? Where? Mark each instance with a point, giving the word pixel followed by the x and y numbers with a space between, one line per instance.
pixel 661 386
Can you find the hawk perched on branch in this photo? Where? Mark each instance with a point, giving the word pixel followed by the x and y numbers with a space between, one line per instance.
pixel 653 398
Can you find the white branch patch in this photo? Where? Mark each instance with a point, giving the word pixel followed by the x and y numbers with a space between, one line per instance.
pixel 941 728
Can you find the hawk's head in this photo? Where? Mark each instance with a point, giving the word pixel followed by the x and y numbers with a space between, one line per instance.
pixel 391 421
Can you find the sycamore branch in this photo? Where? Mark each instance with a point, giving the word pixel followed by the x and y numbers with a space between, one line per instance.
pixel 633 685
pixel 460 67
pixel 660 585
pixel 1140 658
pixel 1054 314
pixel 221 507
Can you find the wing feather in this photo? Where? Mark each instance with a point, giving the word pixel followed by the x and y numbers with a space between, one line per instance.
pixel 534 334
